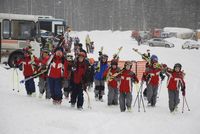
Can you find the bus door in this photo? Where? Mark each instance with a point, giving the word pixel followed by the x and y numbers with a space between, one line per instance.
pixel 59 29
pixel 57 26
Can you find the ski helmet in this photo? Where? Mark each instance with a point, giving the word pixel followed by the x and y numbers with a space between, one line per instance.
pixel 178 65
pixel 114 62
pixel 104 56
pixel 154 59
pixel 128 63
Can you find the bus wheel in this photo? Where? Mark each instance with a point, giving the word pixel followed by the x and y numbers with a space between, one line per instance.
pixel 13 57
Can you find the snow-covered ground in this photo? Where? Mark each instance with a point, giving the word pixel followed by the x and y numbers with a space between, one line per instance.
pixel 20 114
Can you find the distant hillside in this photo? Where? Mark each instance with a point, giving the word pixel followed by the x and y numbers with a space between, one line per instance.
pixel 112 14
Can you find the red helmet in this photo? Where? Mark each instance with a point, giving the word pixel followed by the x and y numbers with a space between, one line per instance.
pixel 114 62
pixel 128 63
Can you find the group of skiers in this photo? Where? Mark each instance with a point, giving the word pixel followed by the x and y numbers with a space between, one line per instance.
pixel 155 74
pixel 63 74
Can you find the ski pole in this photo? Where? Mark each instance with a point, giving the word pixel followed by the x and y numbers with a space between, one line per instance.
pixel 89 104
pixel 136 96
pixel 141 97
pixel 186 103
pixel 183 105
pixel 13 79
pixel 17 80
pixel 160 86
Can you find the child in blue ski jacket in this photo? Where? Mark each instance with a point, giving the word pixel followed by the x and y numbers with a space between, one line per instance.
pixel 98 78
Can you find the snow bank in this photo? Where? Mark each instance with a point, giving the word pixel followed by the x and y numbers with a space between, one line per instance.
pixel 28 115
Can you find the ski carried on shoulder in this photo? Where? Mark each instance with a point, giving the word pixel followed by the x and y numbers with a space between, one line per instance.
pixel 115 57
pixel 148 60
pixel 33 76
pixel 115 75
pixel 99 61
pixel 38 74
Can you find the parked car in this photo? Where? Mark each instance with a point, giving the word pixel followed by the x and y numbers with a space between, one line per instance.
pixel 159 42
pixel 191 44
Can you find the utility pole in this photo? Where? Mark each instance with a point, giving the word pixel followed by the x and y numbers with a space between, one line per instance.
pixel 64 10
pixel 143 16
pixel 31 7
pixel 54 8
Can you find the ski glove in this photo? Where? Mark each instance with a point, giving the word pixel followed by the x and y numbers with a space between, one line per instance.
pixel 84 86
pixel 100 53
pixel 162 77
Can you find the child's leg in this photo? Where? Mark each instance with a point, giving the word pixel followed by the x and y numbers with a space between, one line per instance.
pixel 30 86
pixel 48 92
pixel 116 96
pixel 96 90
pixel 154 96
pixel 58 89
pixel 66 88
pixel 41 85
pixel 171 100
pixel 149 93
pixel 102 88
pixel 122 102
pixel 74 94
pixel 110 95
pixel 128 100
pixel 51 84
pixel 27 88
pixel 80 97
pixel 176 98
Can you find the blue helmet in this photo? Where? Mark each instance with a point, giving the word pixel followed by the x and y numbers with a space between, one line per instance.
pixel 154 58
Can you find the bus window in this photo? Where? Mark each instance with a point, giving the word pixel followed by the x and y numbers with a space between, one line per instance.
pixel 45 25
pixel 6 29
pixel 23 30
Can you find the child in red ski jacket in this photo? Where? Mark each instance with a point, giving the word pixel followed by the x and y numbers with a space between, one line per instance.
pixel 43 86
pixel 152 76
pixel 113 90
pixel 174 83
pixel 68 61
pixel 79 74
pixel 55 74
pixel 29 66
pixel 125 86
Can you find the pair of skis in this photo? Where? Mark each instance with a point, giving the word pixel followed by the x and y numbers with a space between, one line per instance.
pixel 42 72
pixel 99 61
pixel 110 77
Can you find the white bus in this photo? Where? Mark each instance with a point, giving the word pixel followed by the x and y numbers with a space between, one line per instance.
pixel 17 31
